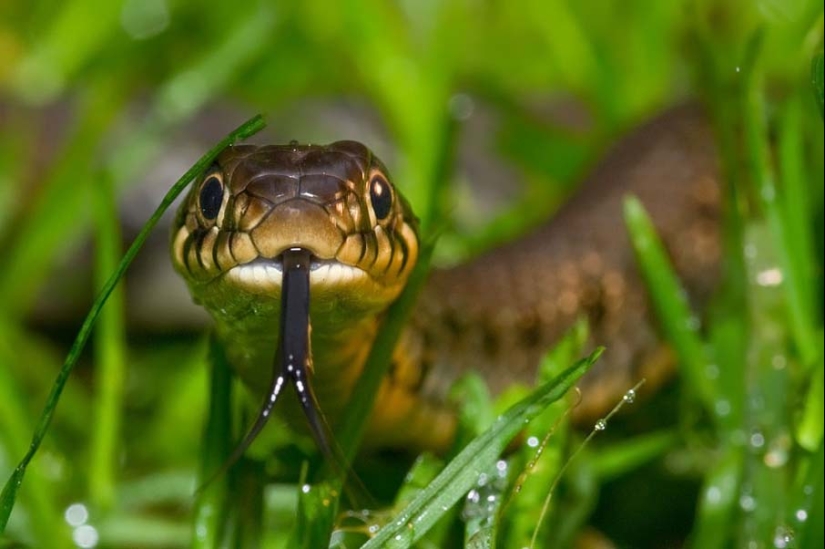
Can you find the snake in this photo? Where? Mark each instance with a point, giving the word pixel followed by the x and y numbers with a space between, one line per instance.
pixel 333 216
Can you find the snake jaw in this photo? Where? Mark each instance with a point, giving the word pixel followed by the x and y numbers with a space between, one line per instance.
pixel 266 275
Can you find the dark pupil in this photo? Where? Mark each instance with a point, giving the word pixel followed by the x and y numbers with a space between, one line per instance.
pixel 381 197
pixel 211 198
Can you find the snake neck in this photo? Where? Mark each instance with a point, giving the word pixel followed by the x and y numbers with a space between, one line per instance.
pixel 340 344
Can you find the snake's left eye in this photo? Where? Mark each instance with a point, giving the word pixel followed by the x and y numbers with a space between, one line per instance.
pixel 381 197
pixel 211 197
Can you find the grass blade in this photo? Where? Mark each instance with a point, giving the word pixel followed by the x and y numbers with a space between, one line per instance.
pixel 668 296
pixel 110 353
pixel 818 80
pixel 462 472
pixel 9 494
pixel 211 507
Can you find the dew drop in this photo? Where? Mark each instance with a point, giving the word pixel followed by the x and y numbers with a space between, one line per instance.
pixel 722 407
pixel 801 515
pixel 769 277
pixel 783 537
pixel 306 488
pixel 533 442
pixel 757 440
pixel 779 450
pixel 630 396
pixel 601 425
pixel 85 536
pixel 747 502
pixel 779 362
pixel 76 514
pixel 402 539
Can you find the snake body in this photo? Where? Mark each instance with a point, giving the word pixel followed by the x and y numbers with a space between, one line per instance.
pixel 497 314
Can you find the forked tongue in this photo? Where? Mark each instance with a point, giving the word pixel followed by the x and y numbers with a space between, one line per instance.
pixel 293 361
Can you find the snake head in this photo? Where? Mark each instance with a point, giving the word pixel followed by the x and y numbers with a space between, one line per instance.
pixel 335 201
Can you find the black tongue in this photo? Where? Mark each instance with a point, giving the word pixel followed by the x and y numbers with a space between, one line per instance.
pixel 293 357
pixel 294 345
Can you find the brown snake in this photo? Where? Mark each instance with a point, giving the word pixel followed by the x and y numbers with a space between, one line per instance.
pixel 497 314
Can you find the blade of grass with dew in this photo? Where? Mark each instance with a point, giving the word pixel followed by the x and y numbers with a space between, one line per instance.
pixel 807 506
pixel 462 472
pixel 669 300
pixel 768 382
pixel 110 353
pixel 540 459
pixel 773 323
pixel 317 508
pixel 9 493
pixel 212 505
pixel 719 501
pixel 764 179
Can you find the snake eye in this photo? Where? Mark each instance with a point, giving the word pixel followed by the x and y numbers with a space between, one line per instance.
pixel 381 197
pixel 211 197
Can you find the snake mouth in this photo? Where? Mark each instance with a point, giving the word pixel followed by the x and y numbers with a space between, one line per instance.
pixel 264 274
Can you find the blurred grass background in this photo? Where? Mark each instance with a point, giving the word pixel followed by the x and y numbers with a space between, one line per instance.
pixel 104 104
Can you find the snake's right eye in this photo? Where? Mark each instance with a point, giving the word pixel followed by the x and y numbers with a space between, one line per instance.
pixel 211 197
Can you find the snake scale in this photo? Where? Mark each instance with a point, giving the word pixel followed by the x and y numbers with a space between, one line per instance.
pixel 496 314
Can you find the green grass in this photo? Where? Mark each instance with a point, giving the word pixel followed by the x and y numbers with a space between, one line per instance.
pixel 87 108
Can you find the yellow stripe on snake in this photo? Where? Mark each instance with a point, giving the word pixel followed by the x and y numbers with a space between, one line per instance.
pixel 497 314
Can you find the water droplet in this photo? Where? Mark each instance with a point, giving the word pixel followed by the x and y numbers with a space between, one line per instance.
pixel 779 449
pixel 401 539
pixel 757 440
pixel 747 502
pixel 783 537
pixel 76 514
pixel 601 425
pixel 501 467
pixel 533 442
pixel 713 494
pixel 85 536
pixel 630 396
pixel 722 407
pixel 306 488
pixel 769 277
pixel 801 515
pixel 738 69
